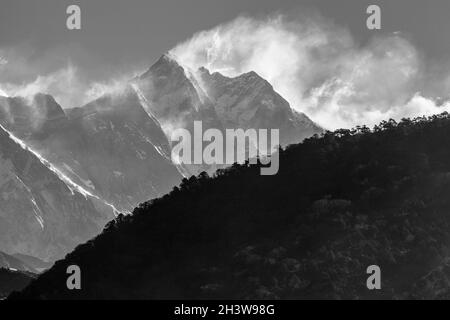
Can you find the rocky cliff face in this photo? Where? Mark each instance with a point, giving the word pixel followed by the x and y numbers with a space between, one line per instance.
pixel 175 98
pixel 249 101
pixel 110 147
pixel 41 213
pixel 178 96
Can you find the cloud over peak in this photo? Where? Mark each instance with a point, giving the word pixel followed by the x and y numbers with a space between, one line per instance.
pixel 315 64
pixel 318 67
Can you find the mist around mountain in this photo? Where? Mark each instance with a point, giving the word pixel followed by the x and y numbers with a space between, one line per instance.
pixel 118 147
pixel 339 203
pixel 68 171
pixel 178 96
pixel 110 147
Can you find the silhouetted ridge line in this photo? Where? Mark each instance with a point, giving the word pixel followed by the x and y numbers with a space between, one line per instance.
pixel 339 203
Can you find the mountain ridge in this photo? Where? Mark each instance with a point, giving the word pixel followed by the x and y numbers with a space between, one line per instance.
pixel 116 149
pixel 339 203
pixel 37 205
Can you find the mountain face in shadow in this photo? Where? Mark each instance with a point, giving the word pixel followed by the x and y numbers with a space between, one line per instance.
pixel 122 150
pixel 174 97
pixel 111 147
pixel 83 160
pixel 339 203
pixel 41 213
pixel 30 116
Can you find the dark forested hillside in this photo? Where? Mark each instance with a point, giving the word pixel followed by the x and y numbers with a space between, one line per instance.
pixel 340 202
pixel 12 280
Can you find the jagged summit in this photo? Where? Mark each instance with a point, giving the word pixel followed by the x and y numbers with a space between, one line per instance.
pixel 250 101
pixel 174 96
pixel 250 75
pixel 166 64
pixel 244 82
pixel 167 69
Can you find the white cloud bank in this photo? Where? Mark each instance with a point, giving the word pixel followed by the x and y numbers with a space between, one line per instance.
pixel 318 68
pixel 68 87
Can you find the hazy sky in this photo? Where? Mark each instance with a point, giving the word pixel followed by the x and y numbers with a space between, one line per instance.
pixel 119 38
pixel 116 33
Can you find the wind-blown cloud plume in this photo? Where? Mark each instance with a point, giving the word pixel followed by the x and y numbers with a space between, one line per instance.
pixel 61 84
pixel 22 73
pixel 318 67
pixel 68 86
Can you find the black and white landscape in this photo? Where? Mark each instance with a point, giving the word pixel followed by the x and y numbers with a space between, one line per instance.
pixel 88 176
pixel 68 172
